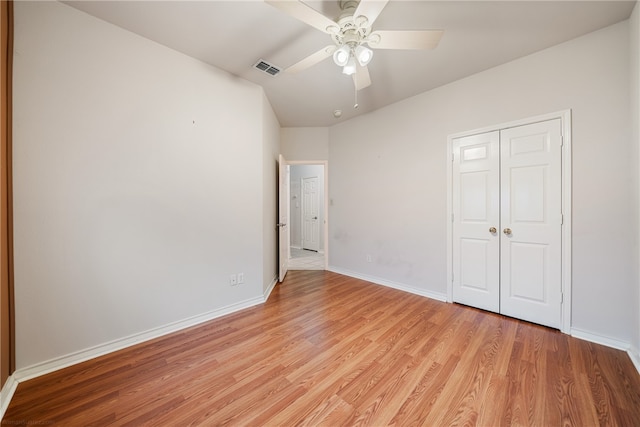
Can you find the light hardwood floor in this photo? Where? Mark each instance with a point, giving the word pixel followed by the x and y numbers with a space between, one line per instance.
pixel 332 350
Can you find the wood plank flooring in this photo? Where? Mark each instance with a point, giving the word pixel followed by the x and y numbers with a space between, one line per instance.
pixel 332 350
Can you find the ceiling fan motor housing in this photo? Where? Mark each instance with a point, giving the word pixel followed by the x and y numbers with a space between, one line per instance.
pixel 348 6
pixel 353 31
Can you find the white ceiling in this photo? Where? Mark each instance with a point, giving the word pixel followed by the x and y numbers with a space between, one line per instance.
pixel 234 35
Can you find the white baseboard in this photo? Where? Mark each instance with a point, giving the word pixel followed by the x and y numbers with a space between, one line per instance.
pixel 395 285
pixel 43 368
pixel 269 289
pixel 52 365
pixel 24 374
pixel 8 389
pixel 600 339
pixel 634 355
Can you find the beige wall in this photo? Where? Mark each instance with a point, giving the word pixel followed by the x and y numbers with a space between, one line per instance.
pixel 271 149
pixel 634 54
pixel 139 187
pixel 305 143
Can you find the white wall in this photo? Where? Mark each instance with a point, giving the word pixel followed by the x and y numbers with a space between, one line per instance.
pixel 634 54
pixel 387 174
pixel 139 184
pixel 271 150
pixel 295 203
pixel 304 143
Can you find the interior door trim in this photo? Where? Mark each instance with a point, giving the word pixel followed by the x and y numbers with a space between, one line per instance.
pixel 565 118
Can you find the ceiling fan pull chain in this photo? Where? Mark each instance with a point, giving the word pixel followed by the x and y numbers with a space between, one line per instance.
pixel 355 89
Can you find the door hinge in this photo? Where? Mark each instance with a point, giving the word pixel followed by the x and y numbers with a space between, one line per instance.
pixel 561 219
pixel 452 216
pixel 561 297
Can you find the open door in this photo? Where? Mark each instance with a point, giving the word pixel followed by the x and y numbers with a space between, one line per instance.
pixel 283 217
pixel 7 332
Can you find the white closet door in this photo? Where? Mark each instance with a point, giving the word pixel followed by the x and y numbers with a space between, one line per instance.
pixel 310 214
pixel 476 213
pixel 531 221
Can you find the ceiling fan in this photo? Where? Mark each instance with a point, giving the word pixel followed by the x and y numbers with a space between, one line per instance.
pixel 351 33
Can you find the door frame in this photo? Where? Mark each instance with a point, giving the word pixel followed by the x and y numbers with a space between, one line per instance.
pixel 325 208
pixel 565 118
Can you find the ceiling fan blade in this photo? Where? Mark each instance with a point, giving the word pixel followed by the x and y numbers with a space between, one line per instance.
pixel 304 13
pixel 361 77
pixel 425 39
pixel 312 59
pixel 371 9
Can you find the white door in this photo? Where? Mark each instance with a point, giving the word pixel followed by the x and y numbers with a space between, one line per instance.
pixel 283 217
pixel 310 214
pixel 507 222
pixel 476 219
pixel 531 221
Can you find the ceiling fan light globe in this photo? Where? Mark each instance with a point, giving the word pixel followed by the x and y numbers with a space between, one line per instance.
pixel 341 56
pixel 350 67
pixel 364 55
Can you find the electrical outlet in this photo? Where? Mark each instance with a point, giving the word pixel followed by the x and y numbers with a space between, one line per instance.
pixel 368 258
pixel 233 280
pixel 240 278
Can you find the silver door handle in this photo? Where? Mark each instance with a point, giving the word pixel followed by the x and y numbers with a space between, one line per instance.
pixel 315 217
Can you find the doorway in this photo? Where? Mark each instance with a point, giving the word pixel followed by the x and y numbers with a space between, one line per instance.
pixel 307 216
pixel 509 229
pixel 310 213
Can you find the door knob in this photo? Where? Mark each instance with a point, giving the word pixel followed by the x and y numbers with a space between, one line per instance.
pixel 315 217
pixel 507 231
pixel 492 230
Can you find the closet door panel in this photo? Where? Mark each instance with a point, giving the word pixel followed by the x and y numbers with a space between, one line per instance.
pixel 531 221
pixel 476 210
